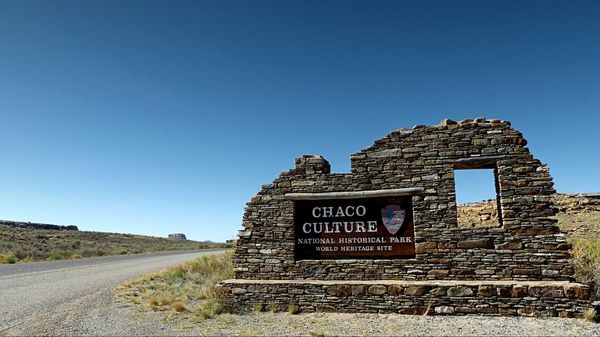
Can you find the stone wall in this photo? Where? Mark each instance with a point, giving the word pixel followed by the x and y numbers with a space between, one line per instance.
pixel 499 298
pixel 528 244
pixel 525 246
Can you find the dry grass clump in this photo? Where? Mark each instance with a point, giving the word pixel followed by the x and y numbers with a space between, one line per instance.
pixel 293 309
pixel 28 244
pixel 178 306
pixel 586 257
pixel 590 315
pixel 186 288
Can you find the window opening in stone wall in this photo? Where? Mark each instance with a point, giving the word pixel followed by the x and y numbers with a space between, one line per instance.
pixel 477 198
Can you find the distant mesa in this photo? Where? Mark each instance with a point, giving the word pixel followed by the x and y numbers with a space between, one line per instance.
pixel 177 236
pixel 32 225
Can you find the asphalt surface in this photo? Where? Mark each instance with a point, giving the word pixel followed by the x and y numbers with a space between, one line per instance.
pixel 75 297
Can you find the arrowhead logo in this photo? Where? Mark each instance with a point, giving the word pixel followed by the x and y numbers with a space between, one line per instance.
pixel 393 218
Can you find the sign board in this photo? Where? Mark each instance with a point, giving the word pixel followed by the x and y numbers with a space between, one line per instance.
pixel 365 228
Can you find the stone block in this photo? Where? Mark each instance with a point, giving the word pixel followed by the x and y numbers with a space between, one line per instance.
pixel 377 290
pixel 525 271
pixel 395 290
pixel 486 309
pixel 457 271
pixel 415 291
pixel 438 292
pixel 546 291
pixel 577 292
pixel 359 290
pixel 339 290
pixel 507 311
pixel 412 311
pixel 527 312
pixel 504 292
pixel 470 244
pixel 238 291
pixel 509 246
pixel 534 231
pixel 465 310
pixel 444 310
pixel 460 291
pixel 424 247
pixel 518 291
pixel 438 272
pixel 326 308
pixel 446 245
pixel 486 290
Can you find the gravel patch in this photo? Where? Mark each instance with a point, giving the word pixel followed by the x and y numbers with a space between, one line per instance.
pixel 337 324
pixel 105 314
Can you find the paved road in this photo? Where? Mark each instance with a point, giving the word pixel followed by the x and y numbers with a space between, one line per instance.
pixel 73 297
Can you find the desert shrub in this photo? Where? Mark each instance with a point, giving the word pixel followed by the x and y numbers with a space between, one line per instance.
pixel 39 254
pixel 178 273
pixel 55 255
pixel 87 253
pixel 76 244
pixel 586 258
pixel 8 259
pixel 21 254
pixel 211 307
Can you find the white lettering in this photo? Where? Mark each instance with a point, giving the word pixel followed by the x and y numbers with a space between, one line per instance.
pixel 371 226
pixel 349 209
pixel 360 227
pixel 315 213
pixel 349 229
pixel 340 212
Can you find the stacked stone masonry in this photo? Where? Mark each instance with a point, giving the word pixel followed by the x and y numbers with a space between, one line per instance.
pixel 526 246
pixel 500 298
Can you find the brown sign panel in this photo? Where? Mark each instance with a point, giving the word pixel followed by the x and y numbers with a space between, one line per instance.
pixel 365 228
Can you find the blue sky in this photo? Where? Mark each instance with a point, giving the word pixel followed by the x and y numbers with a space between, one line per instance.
pixel 156 117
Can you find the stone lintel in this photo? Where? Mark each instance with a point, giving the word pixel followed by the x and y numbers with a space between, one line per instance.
pixel 354 194
pixel 477 162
